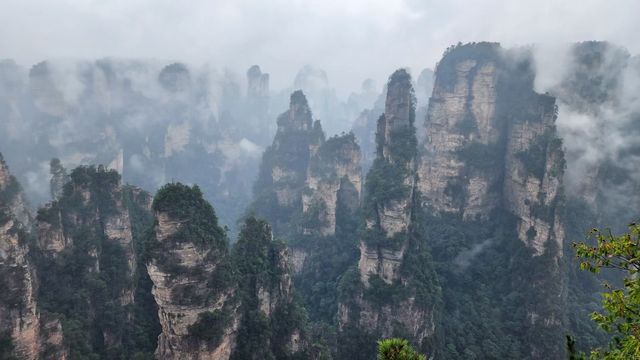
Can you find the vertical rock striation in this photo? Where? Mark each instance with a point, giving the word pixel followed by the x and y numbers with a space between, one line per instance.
pixel 30 335
pixel 283 170
pixel 492 155
pixel 19 318
pixel 89 229
pixel 390 245
pixel 304 177
pixel 268 303
pixel 333 177
pixel 462 121
pixel 213 304
pixel 309 189
pixel 491 143
pixel 192 278
pixel 390 184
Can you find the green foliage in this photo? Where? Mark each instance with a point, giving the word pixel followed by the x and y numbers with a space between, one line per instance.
pixel 290 152
pixel 6 347
pixel 256 255
pixel 327 260
pixel 583 288
pixel 355 343
pixel 261 265
pixel 101 183
pixel 50 215
pixel 534 158
pixel 380 293
pixel 486 272
pixel 145 327
pixel 397 349
pixel 483 52
pixel 83 284
pixel 199 223
pixel 483 157
pixel 338 149
pixel 314 217
pixel 403 145
pixel 620 315
pixel 12 280
pixel 210 326
pixel 385 182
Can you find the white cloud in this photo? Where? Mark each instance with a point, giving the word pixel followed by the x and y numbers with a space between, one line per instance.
pixel 352 40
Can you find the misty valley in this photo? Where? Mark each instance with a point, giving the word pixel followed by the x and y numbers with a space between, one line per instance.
pixel 483 208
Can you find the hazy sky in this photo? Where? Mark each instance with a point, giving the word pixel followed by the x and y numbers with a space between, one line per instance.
pixel 351 40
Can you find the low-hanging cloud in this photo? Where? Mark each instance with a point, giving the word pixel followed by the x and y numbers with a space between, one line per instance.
pixel 599 121
pixel 352 40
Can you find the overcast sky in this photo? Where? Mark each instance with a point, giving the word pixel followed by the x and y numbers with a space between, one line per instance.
pixel 350 39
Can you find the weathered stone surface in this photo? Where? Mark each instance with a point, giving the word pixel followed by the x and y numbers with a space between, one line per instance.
pixel 392 216
pixel 388 222
pixel 177 314
pixel 334 176
pixel 19 315
pixel 307 175
pixel 298 256
pixel 482 120
pixel 532 199
pixel 382 262
pixel 491 145
pixel 458 114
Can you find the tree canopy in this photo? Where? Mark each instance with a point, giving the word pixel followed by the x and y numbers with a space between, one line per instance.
pixel 397 349
pixel 621 305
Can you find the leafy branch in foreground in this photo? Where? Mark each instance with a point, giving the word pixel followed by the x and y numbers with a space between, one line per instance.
pixel 397 349
pixel 621 307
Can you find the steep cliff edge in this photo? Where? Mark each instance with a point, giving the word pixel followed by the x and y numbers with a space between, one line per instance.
pixel 393 257
pixel 309 189
pixel 88 264
pixel 283 171
pixel 25 333
pixel 492 143
pixel 273 321
pixel 217 304
pixel 490 178
pixel 192 277
pixel 333 178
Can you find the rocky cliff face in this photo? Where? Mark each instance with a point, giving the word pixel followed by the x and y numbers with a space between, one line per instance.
pixel 30 335
pixel 333 178
pixel 309 189
pixel 390 240
pixel 461 112
pixel 390 215
pixel 214 304
pixel 191 278
pixel 93 199
pixel 266 286
pixel 491 154
pixel 491 142
pixel 90 229
pixel 303 177
pixel 283 170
